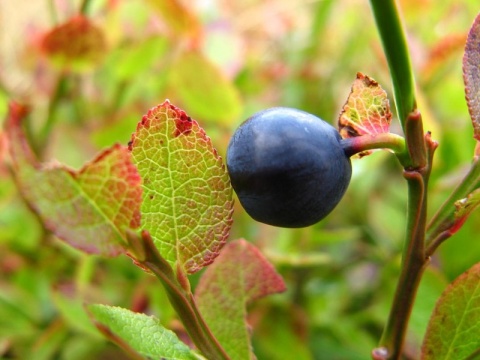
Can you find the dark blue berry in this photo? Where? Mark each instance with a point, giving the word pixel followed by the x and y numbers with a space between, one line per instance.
pixel 288 167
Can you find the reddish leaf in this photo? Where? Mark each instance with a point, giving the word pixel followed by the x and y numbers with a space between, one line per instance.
pixel 454 328
pixel 471 75
pixel 77 43
pixel 90 208
pixel 367 110
pixel 240 275
pixel 187 197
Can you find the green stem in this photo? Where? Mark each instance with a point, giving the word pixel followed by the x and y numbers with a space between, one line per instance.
pixel 182 301
pixel 413 265
pixel 395 47
pixel 59 92
pixel 417 172
pixel 414 259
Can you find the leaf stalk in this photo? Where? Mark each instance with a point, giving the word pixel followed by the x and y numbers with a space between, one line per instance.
pixel 439 228
pixel 182 301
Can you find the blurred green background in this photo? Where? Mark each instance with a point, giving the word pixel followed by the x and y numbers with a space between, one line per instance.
pixel 222 60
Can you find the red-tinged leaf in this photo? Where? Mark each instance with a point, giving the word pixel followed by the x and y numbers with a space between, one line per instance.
pixel 187 197
pixel 77 43
pixel 454 328
pixel 464 208
pixel 367 110
pixel 90 208
pixel 240 275
pixel 471 75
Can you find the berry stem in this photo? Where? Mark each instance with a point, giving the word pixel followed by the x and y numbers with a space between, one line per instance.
pixel 358 144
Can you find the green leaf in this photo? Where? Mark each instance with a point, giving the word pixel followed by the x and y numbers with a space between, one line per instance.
pixel 367 110
pixel 240 275
pixel 454 328
pixel 202 88
pixel 471 75
pixel 90 208
pixel 139 333
pixel 187 197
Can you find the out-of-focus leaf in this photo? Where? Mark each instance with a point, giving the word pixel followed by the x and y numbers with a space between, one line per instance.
pixel 90 208
pixel 74 314
pixel 129 61
pixel 75 44
pixel 49 342
pixel 367 110
pixel 439 55
pixel 203 89
pixel 140 333
pixel 240 275
pixel 14 320
pixel 180 18
pixel 454 328
pixel 187 197
pixel 282 334
pixel 471 75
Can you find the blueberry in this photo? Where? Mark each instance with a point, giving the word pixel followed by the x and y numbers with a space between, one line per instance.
pixel 288 167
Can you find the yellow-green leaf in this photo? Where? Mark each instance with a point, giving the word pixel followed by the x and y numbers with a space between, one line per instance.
pixel 179 17
pixel 187 197
pixel 139 333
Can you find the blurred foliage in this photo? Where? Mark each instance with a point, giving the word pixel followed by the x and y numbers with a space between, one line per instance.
pixel 221 61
